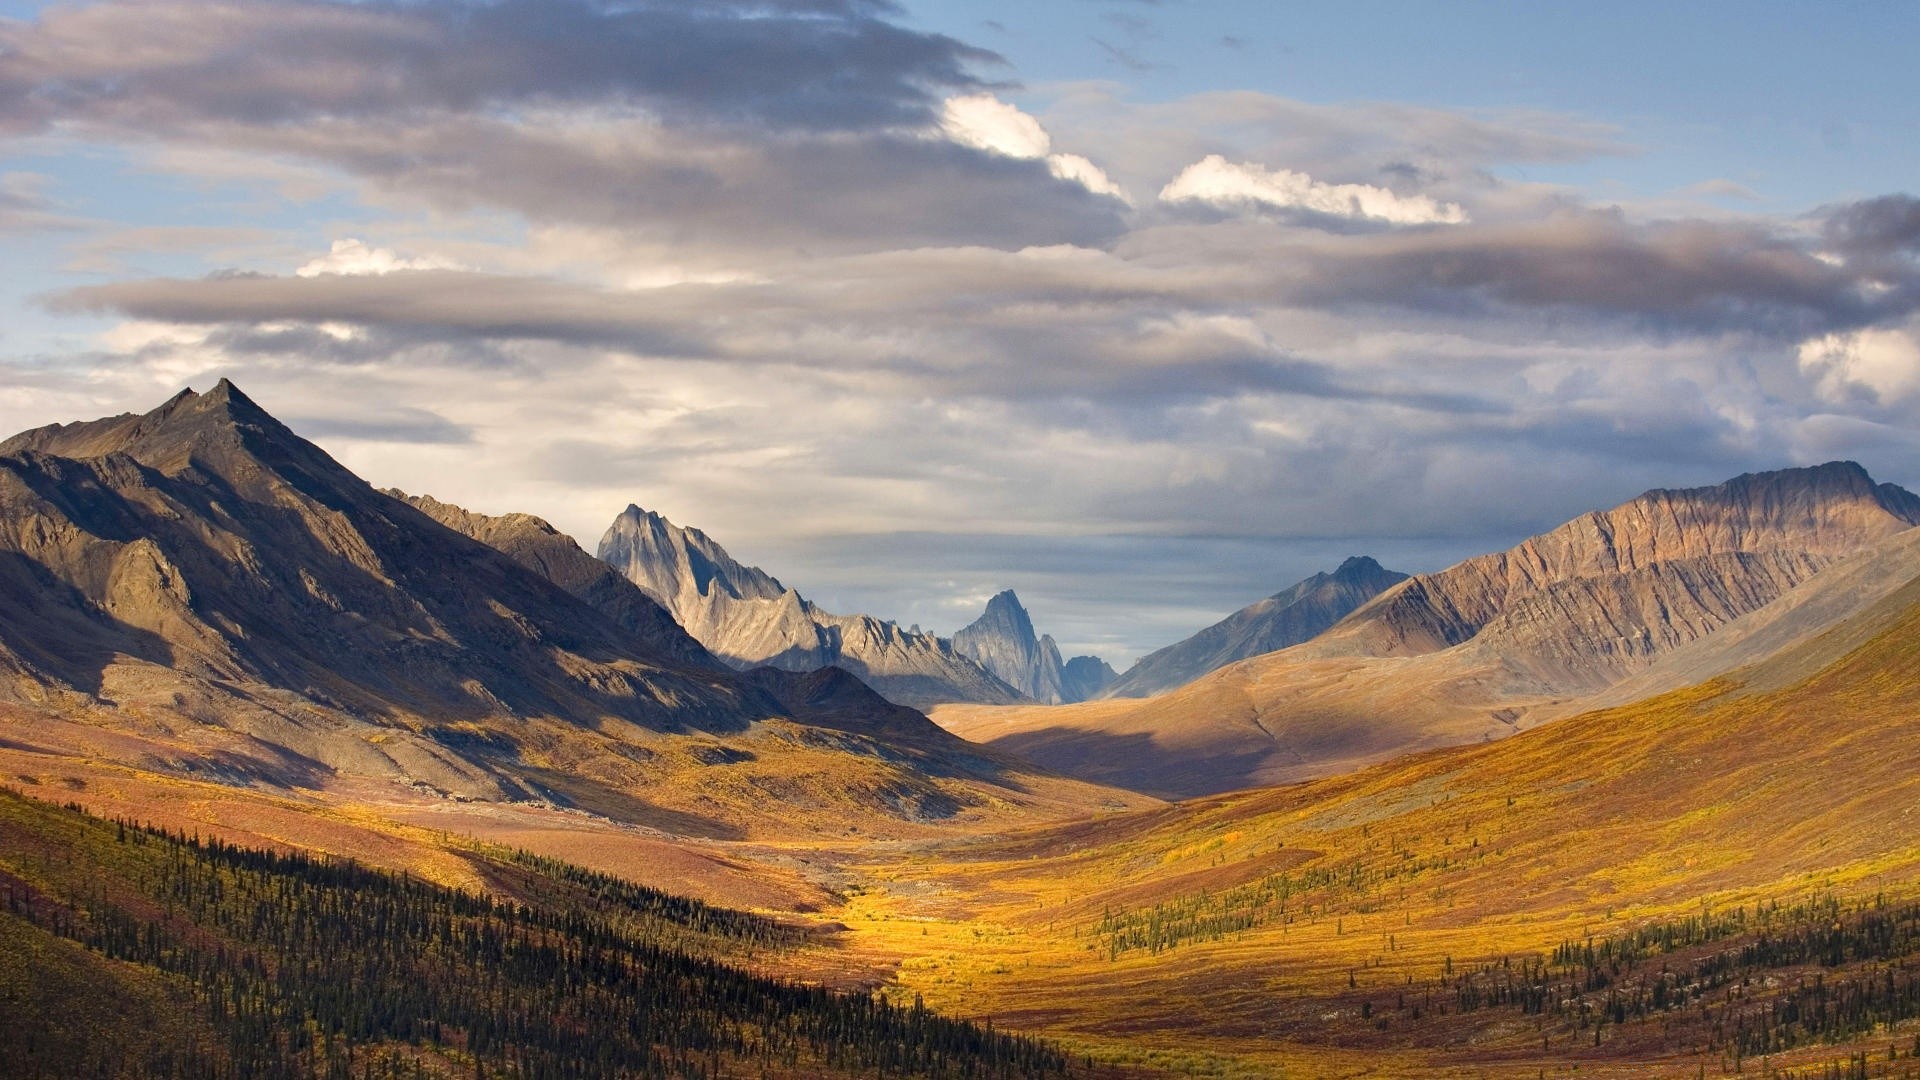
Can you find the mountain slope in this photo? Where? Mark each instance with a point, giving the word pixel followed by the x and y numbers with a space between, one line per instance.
pixel 1636 891
pixel 1289 617
pixel 1481 649
pixel 199 592
pixel 748 619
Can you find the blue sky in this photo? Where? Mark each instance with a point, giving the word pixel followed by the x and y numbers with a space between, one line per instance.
pixel 1178 304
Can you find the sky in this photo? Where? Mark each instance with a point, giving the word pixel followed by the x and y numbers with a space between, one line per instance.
pixel 1144 309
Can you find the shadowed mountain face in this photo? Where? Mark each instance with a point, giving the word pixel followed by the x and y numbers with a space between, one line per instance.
pixel 1002 640
pixel 1286 618
pixel 748 619
pixel 1482 649
pixel 200 592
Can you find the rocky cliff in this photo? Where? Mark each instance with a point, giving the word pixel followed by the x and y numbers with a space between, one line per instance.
pixel 1003 641
pixel 747 618
pixel 1295 614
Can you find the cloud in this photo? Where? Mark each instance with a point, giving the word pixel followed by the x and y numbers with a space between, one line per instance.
pixel 986 122
pixel 161 64
pixel 1883 362
pixel 1229 185
pixel 354 257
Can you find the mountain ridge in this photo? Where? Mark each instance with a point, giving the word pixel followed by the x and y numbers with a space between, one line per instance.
pixel 747 618
pixel 1480 650
pixel 1293 615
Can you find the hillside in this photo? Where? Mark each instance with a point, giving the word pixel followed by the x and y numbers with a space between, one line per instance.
pixel 1721 873
pixel 748 619
pixel 145 953
pixel 1295 614
pixel 200 593
pixel 1490 646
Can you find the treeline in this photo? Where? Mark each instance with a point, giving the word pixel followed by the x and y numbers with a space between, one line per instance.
pixel 1741 983
pixel 288 966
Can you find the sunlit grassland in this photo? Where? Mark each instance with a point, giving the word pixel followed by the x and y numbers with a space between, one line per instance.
pixel 1300 928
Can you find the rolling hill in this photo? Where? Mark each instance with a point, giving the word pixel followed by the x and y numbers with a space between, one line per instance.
pixel 1721 879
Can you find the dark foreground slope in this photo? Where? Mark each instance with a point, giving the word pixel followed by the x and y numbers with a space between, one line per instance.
pixel 130 953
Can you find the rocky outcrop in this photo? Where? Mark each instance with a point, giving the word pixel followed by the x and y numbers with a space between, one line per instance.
pixel 744 616
pixel 1298 613
pixel 1002 640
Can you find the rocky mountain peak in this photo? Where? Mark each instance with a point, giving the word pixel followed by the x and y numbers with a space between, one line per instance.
pixel 1003 641
pixel 746 617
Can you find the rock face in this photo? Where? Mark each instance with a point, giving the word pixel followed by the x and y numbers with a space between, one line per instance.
pixel 1487 647
pixel 1598 598
pixel 1002 640
pixel 1296 614
pixel 744 616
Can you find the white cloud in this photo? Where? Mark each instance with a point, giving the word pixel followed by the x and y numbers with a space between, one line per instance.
pixel 984 122
pixel 1219 182
pixel 987 123
pixel 351 256
pixel 1885 362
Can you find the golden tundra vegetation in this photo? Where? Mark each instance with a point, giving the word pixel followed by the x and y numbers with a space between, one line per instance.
pixel 1716 881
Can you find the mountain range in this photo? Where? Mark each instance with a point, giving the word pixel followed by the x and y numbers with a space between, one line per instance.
pixel 212 625
pixel 1298 613
pixel 1489 646
pixel 231 602
pixel 748 619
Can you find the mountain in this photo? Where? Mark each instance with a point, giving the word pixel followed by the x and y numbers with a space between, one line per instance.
pixel 748 619
pixel 1002 640
pixel 198 592
pixel 1296 614
pixel 1658 889
pixel 538 546
pixel 1084 678
pixel 1482 649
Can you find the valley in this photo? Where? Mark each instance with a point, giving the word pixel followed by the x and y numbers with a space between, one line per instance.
pixel 1715 872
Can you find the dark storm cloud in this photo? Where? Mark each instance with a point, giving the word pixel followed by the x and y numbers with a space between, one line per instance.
pixel 816 66
pixel 1884 226
pixel 1697 276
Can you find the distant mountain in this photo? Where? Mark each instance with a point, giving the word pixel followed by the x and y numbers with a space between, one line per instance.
pixel 1296 614
pixel 1002 640
pixel 199 592
pixel 1487 647
pixel 1084 678
pixel 748 619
